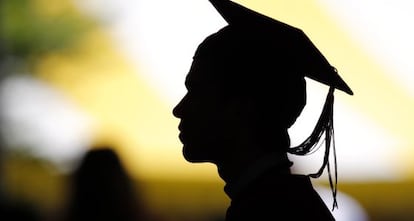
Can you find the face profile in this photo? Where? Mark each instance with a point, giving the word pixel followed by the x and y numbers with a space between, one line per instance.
pixel 207 119
pixel 198 112
pixel 234 99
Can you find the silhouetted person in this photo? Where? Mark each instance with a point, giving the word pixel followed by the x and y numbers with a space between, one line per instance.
pixel 102 190
pixel 246 88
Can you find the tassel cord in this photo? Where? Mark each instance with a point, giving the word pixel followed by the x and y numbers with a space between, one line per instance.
pixel 324 127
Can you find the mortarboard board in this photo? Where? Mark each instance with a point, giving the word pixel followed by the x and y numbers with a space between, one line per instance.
pixel 314 64
pixel 311 60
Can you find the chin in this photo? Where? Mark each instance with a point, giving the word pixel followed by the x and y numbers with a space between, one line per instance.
pixel 195 157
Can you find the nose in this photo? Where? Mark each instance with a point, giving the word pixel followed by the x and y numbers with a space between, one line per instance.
pixel 178 109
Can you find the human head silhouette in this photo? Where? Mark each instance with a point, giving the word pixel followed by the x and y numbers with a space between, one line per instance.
pixel 101 189
pixel 246 87
pixel 236 98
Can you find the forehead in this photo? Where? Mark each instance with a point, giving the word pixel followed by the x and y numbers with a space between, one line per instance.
pixel 203 73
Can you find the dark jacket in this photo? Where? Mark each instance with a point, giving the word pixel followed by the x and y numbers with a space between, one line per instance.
pixel 275 196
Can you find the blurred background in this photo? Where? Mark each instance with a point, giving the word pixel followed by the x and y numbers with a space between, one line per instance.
pixel 79 75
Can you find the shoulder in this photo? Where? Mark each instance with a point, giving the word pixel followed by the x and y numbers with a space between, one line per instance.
pixel 275 196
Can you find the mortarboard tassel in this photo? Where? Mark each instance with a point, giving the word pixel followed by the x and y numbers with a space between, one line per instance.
pixel 324 127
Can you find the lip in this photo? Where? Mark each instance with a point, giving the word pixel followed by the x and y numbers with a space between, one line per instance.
pixel 181 137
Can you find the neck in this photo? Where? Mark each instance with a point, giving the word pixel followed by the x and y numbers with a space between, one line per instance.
pixel 237 158
pixel 231 171
pixel 276 162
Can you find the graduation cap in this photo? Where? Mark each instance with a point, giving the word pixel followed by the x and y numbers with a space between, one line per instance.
pixel 314 64
pixel 311 63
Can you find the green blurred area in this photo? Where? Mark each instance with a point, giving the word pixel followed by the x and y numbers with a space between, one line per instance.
pixel 29 29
